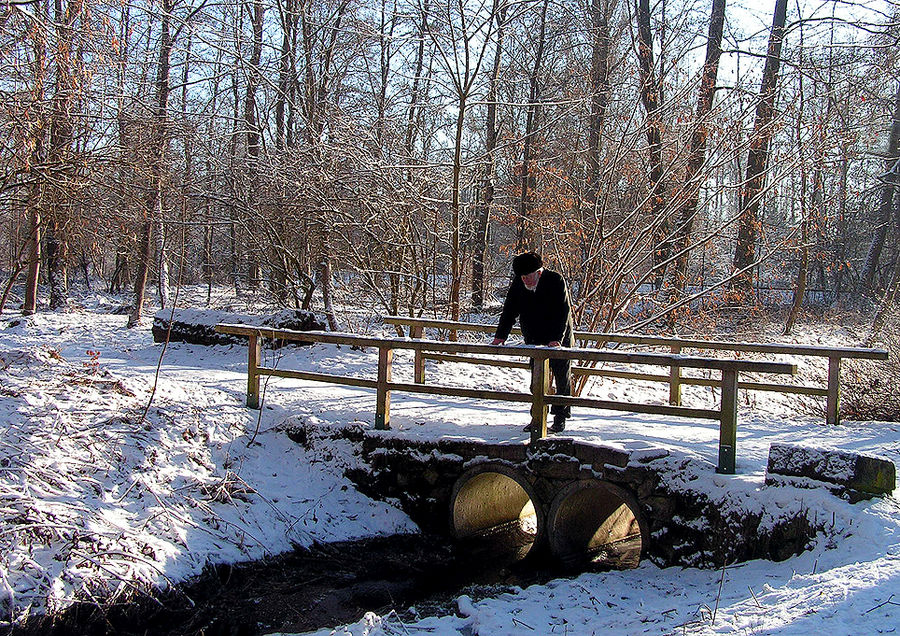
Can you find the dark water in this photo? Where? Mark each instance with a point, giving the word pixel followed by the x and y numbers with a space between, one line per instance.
pixel 305 590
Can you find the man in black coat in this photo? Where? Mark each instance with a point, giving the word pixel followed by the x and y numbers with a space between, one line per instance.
pixel 539 298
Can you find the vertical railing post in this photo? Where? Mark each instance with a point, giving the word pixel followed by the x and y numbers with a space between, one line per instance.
pixel 675 379
pixel 382 392
pixel 728 422
pixel 833 401
pixel 415 331
pixel 540 386
pixel 252 372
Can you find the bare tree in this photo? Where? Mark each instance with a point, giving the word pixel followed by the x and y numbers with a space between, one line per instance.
pixel 601 10
pixel 36 141
pixel 157 151
pixel 689 193
pixel 651 97
pixel 532 117
pixel 890 183
pixel 490 168
pixel 758 157
pixel 469 34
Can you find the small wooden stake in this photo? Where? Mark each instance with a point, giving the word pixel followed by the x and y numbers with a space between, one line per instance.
pixel 540 386
pixel 416 332
pixel 382 393
pixel 252 373
pixel 675 380
pixel 728 422
pixel 833 401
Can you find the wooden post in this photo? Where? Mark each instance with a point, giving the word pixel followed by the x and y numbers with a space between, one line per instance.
pixel 540 386
pixel 675 380
pixel 252 373
pixel 833 401
pixel 728 422
pixel 415 331
pixel 382 394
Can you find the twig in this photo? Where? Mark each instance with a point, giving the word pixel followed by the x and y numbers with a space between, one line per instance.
pixel 117 577
pixel 719 593
pixel 518 622
pixel 754 597
pixel 397 618
pixel 262 399
pixel 887 602
pixel 593 598
pixel 168 337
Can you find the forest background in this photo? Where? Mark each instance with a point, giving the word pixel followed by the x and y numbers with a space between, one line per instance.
pixel 674 153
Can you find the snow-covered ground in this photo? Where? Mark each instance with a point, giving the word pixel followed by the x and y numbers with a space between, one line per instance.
pixel 100 495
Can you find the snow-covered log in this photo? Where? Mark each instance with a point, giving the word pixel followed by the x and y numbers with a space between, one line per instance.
pixel 198 326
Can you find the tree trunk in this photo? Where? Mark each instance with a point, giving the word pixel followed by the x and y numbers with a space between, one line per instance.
pixel 487 194
pixel 803 268
pixel 159 144
pixel 252 127
pixel 56 249
pixel 385 39
pixel 326 281
pixel 600 90
pixel 527 179
pixel 690 195
pixel 417 81
pixel 162 257
pixel 455 255
pixel 35 192
pixel 757 159
pixel 651 97
pixel 59 151
pixel 888 304
pixel 140 280
pixel 286 77
pixel 890 182
pixel 34 255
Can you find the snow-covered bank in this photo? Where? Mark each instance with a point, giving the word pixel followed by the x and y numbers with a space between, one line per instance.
pixel 96 497
pixel 99 498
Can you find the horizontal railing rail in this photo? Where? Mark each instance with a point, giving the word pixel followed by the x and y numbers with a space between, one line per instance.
pixel 539 397
pixel 675 380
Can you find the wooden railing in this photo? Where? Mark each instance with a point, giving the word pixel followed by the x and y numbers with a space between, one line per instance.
pixel 831 391
pixel 539 397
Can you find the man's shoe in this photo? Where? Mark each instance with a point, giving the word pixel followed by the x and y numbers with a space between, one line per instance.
pixel 527 428
pixel 559 424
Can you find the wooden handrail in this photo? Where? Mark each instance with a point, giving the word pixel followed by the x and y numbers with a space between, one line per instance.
pixel 539 396
pixel 831 391
pixel 683 343
pixel 528 351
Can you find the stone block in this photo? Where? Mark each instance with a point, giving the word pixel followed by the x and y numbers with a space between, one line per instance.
pixel 597 456
pixel 431 476
pixel 462 447
pixel 854 471
pixel 660 508
pixel 555 467
pixel 508 452
pixel 552 446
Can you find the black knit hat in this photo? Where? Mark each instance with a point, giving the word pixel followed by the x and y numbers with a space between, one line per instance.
pixel 527 263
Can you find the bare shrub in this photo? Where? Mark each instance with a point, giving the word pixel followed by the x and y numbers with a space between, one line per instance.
pixel 871 389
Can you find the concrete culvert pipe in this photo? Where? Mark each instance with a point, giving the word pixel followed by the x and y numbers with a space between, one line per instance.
pixel 595 522
pixel 492 510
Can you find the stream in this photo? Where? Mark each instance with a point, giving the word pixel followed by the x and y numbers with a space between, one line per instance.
pixel 324 586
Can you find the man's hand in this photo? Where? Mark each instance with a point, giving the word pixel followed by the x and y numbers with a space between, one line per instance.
pixel 498 341
pixel 553 343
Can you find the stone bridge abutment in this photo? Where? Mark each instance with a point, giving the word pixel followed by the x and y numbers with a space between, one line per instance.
pixel 582 503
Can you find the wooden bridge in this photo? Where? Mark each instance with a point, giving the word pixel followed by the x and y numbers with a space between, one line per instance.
pixel 539 396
